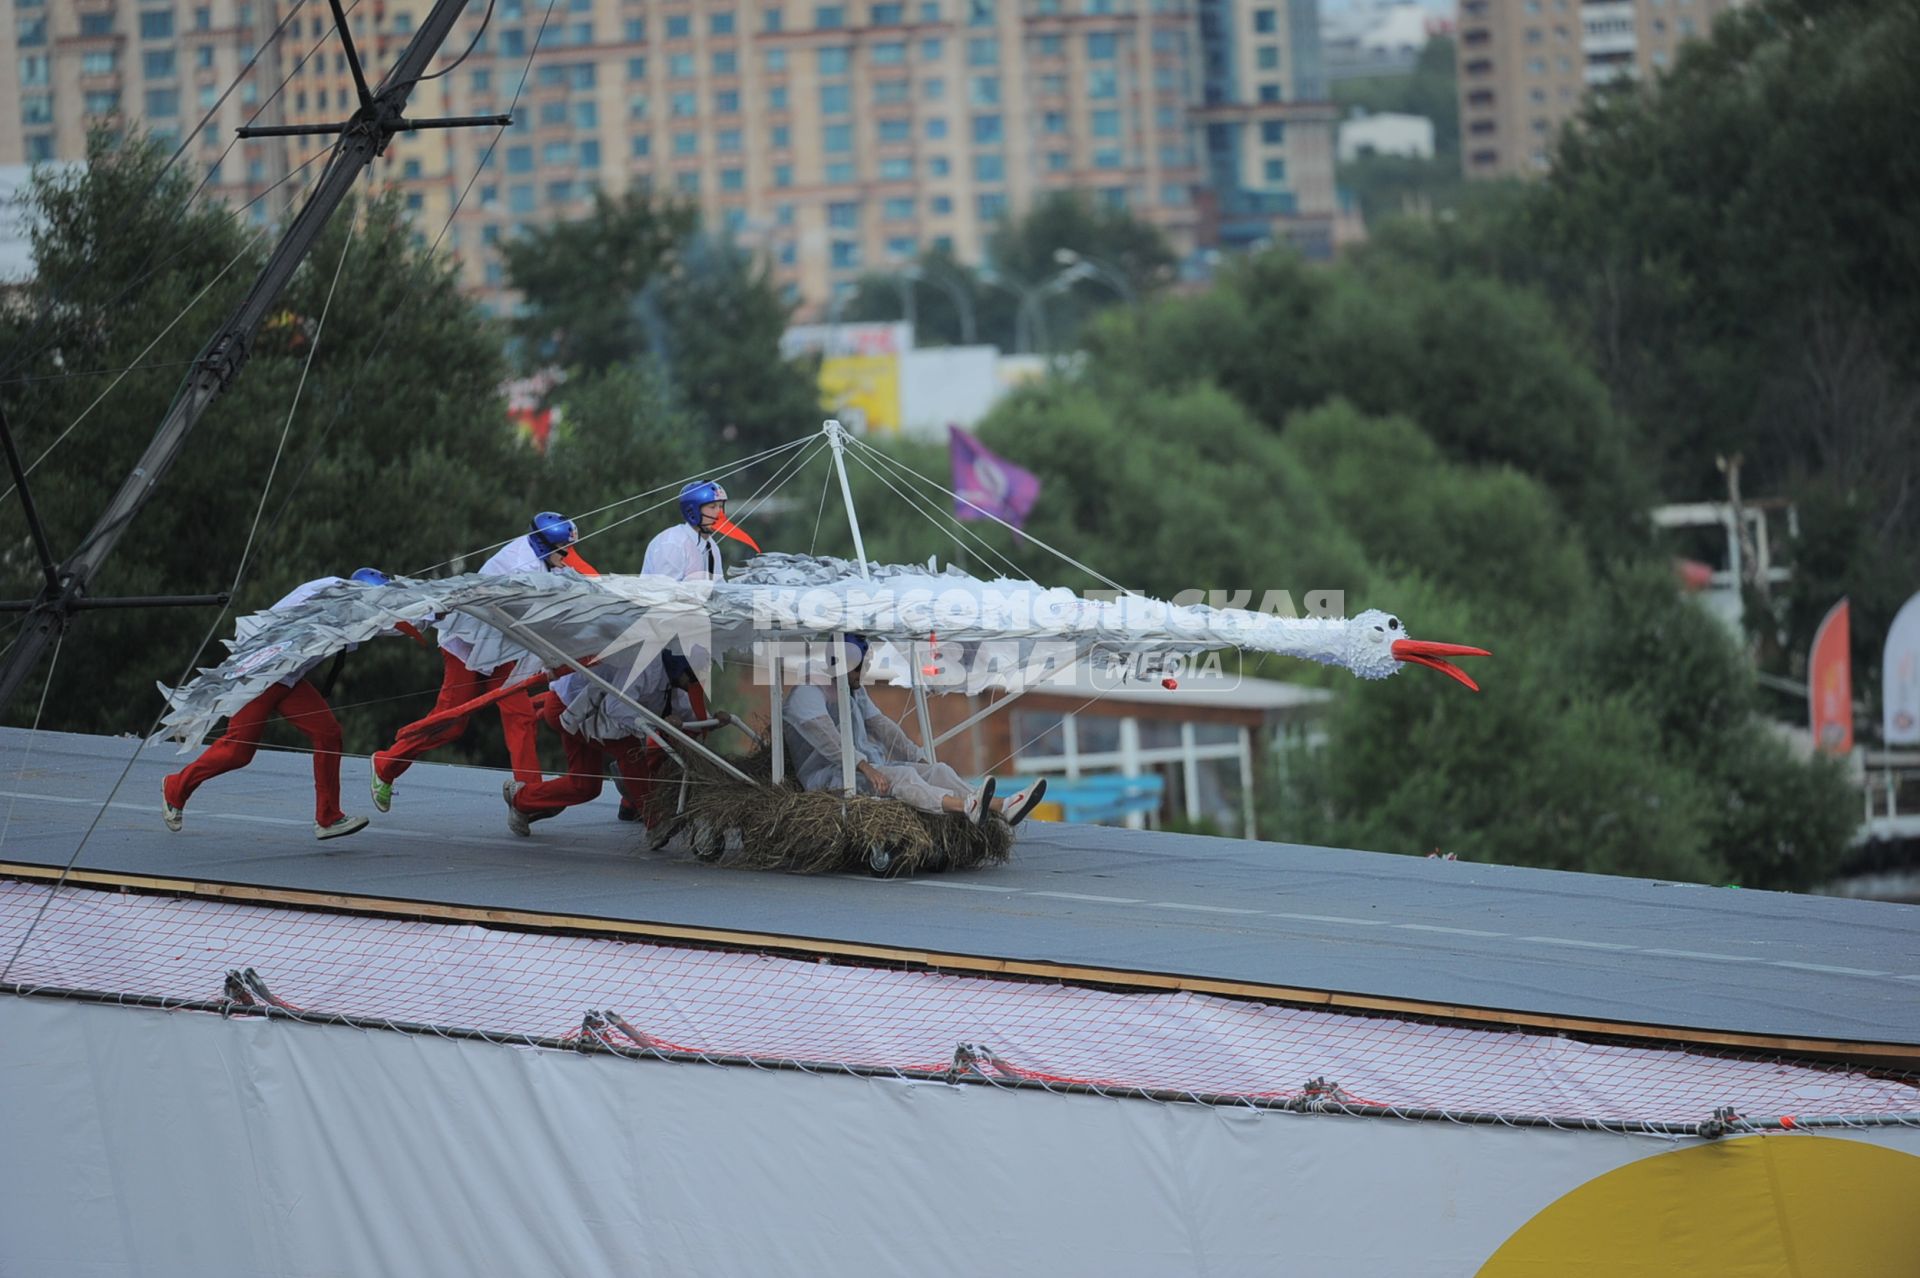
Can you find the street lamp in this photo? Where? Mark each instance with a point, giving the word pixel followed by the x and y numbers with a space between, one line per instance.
pixel 962 303
pixel 1107 274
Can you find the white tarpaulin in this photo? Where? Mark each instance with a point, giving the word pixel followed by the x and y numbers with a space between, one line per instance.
pixel 162 1144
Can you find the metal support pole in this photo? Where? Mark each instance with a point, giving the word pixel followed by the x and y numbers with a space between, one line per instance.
pixel 34 526
pixel 846 716
pixel 778 721
pixel 837 440
pixel 927 753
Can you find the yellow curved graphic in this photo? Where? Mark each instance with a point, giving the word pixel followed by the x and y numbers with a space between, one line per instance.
pixel 1796 1206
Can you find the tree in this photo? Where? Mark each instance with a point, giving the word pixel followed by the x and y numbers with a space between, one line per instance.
pixel 394 457
pixel 634 281
pixel 1389 184
pixel 1022 255
pixel 581 279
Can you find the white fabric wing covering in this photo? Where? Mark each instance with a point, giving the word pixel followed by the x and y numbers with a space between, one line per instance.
pixel 1000 634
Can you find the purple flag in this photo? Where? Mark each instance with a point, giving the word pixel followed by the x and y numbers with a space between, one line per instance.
pixel 986 484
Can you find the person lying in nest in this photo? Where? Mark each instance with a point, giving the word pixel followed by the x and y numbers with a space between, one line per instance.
pixel 887 763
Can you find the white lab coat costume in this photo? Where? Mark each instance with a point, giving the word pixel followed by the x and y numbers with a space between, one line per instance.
pixel 591 711
pixel 813 743
pixel 299 595
pixel 683 554
pixel 480 647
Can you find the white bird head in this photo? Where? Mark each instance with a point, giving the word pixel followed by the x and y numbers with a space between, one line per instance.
pixel 1376 645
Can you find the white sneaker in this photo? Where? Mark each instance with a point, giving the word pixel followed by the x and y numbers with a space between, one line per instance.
pixel 174 817
pixel 1015 809
pixel 517 821
pixel 339 829
pixel 980 802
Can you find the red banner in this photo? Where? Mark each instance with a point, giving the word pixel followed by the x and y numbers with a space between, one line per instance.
pixel 1830 683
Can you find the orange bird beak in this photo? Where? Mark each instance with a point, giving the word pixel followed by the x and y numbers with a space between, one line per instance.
pixel 571 558
pixel 727 528
pixel 1421 652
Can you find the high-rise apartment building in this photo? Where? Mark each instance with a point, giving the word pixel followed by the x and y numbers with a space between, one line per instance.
pixel 835 138
pixel 1525 65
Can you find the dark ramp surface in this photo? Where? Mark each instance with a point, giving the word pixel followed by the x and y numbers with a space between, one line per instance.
pixel 1538 942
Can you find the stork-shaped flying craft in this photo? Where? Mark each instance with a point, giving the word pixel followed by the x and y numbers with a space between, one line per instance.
pixel 960 633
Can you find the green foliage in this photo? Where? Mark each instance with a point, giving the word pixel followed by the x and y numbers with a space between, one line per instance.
pixel 350 489
pixel 634 281
pixel 1024 254
pixel 1477 365
pixel 582 280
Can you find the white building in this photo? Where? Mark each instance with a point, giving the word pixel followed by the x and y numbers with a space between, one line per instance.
pixel 1386 134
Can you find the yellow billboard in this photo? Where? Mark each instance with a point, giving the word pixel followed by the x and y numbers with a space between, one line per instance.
pixel 863 391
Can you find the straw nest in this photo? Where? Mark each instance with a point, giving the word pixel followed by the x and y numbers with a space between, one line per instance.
pixel 768 827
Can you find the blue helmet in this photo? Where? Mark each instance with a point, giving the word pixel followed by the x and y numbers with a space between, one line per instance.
pixel 370 577
pixel 551 533
pixel 696 495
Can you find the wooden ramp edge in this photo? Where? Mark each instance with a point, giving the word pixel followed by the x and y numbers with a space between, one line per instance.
pixel 1870 1054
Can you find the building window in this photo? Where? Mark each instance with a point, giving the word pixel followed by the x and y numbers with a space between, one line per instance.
pixel 520 198
pixel 780 137
pixel 687 183
pixel 936 128
pixel 829 17
pixel 776 61
pixel 983 51
pixel 1110 158
pixel 777 98
pixel 1052 46
pixel 679 27
pixel 726 102
pixel 635 30
pixel 896 131
pixel 727 142
pixel 636 68
pixel 836 139
pixel 989 167
pixel 686 144
pixel 586 114
pixel 726 62
pixel 684 106
pixel 1266 21
pixel 845 255
pixel 896 168
pixel 1270 93
pixel 733 179
pixel 835 60
pixel 680 66
pixel 931 49
pixel 1106 124
pixel 556 154
pixel 1103 84
pixel 1103 46
pixel 641 146
pixel 96 24
pixel 104 62
pixel 1273 132
pixel 162 103
pixel 986 130
pixel 1053 122
pixel 890 92
pixel 985 91
pixel 836 99
pixel 637 107
pixel 889 15
pixel 992 206
pixel 938 166
pixel 840 173
pixel 933 90
pixel 721 24
pixel 1058 161
pixel 892 53
pixel 897 209
pixel 1267 57
pixel 901 248
pixel 773 20
pixel 844 215
pixel 1276 170
pixel 782 175
pixel 940 205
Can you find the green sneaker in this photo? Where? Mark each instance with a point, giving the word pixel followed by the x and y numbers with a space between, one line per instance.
pixel 382 793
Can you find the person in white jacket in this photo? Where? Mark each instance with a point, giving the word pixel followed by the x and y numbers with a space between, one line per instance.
pixel 300 703
pixel 886 760
pixel 687 551
pixel 477 659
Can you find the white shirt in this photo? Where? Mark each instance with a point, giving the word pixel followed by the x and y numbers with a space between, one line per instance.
pixel 683 553
pixel 813 735
pixel 465 637
pixel 591 711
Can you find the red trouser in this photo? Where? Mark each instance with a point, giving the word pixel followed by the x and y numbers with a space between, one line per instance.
pixel 457 686
pixel 304 708
pixel 586 772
